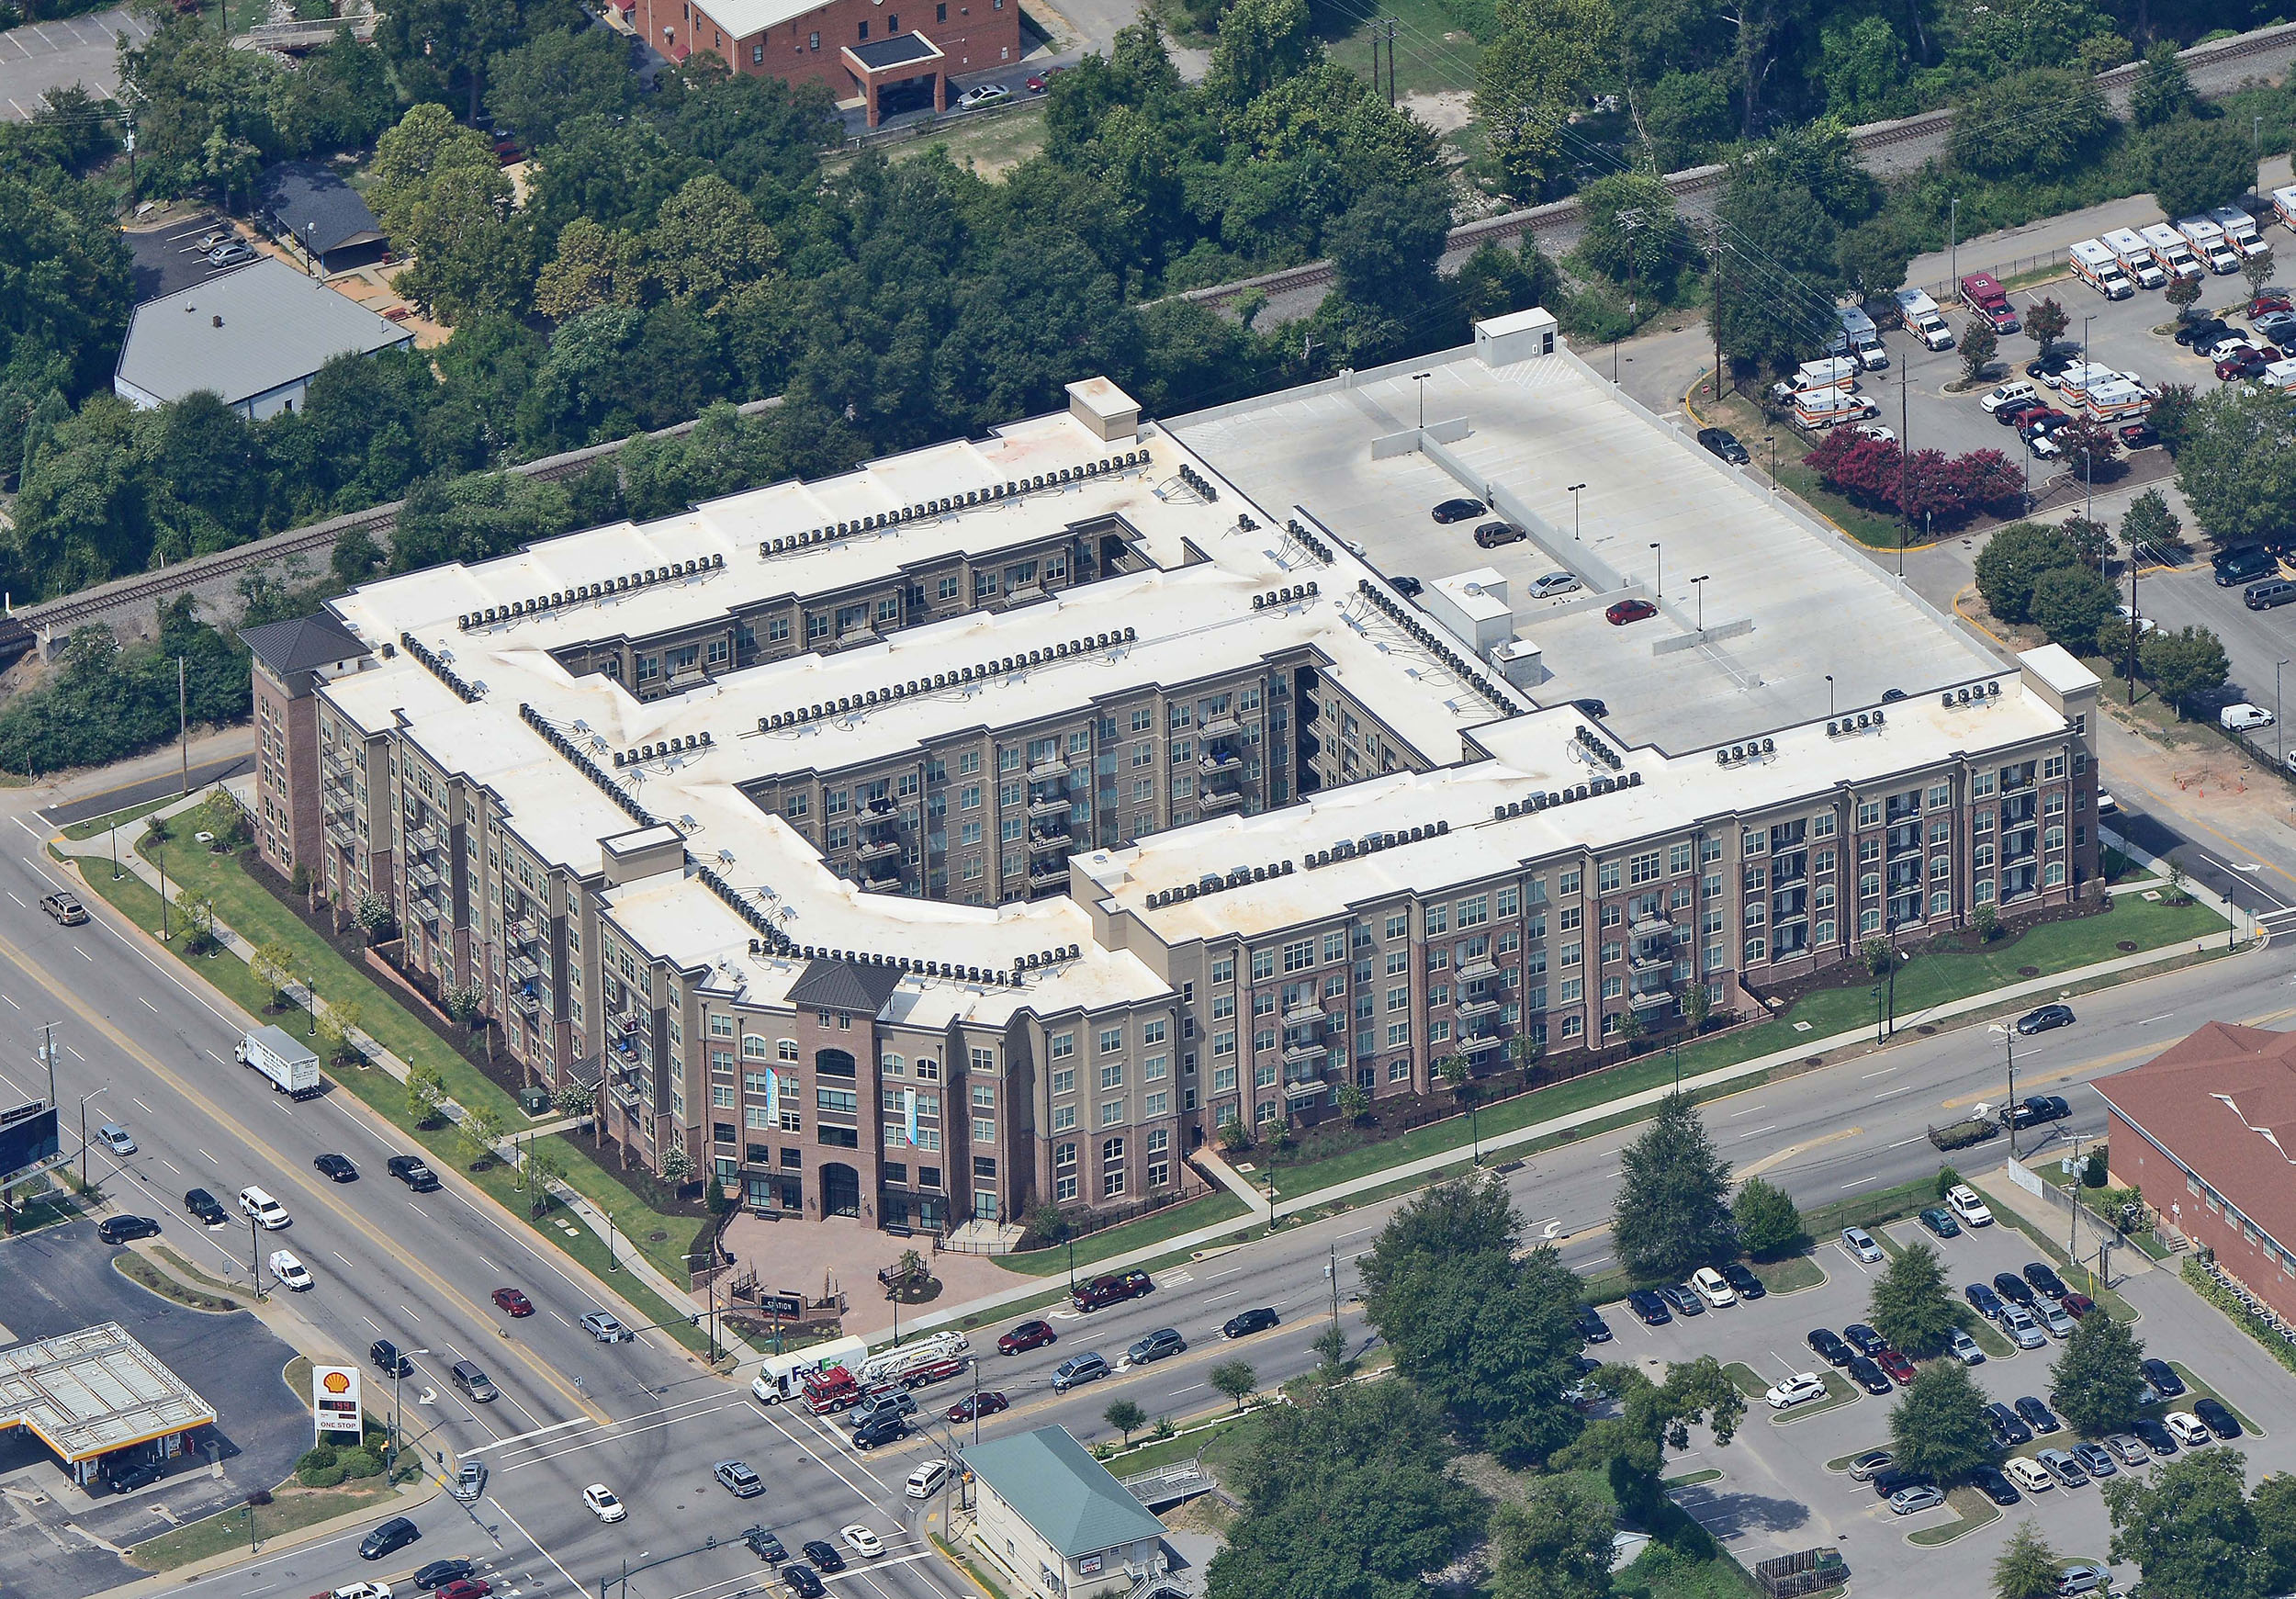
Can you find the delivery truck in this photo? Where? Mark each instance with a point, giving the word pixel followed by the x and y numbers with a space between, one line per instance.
pixel 2209 243
pixel 2170 250
pixel 784 1376
pixel 291 1068
pixel 2129 248
pixel 2100 269
pixel 1923 319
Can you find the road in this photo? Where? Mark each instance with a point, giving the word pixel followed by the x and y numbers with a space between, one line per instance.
pixel 40 56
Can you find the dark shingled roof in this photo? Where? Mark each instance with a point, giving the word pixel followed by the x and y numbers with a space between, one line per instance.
pixel 892 52
pixel 845 985
pixel 307 642
pixel 317 208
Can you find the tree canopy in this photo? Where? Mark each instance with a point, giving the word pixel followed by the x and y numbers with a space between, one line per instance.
pixel 1913 1305
pixel 1672 1213
pixel 1938 1427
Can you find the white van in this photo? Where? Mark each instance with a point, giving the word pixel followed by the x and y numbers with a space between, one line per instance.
pixel 927 1479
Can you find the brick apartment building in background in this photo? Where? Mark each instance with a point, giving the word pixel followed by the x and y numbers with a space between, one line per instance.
pixel 890 55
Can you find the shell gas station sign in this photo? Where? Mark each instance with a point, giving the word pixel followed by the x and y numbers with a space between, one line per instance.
pixel 335 1400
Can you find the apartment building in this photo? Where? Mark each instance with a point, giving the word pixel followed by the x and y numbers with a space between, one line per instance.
pixel 1015 897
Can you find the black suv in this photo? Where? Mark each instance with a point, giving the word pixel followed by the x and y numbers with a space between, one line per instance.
pixel 390 1359
pixel 2241 564
pixel 1863 1339
pixel 1592 1327
pixel 204 1208
pixel 1723 442
pixel 1828 1345
pixel 1984 1301
pixel 1740 1277
pixel 388 1539
pixel 411 1170
pixel 881 1428
pixel 2009 1429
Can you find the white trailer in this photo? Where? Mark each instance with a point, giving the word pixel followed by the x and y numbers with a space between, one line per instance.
pixel 2209 243
pixel 2170 250
pixel 2100 269
pixel 782 1376
pixel 292 1068
pixel 2129 248
pixel 2240 229
pixel 1922 317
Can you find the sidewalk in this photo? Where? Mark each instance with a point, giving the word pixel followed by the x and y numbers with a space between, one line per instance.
pixel 98 848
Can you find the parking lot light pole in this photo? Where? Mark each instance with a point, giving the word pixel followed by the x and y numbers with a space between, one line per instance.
pixel 1574 490
pixel 1421 379
pixel 2276 756
pixel 1657 590
pixel 1830 694
pixel 1698 587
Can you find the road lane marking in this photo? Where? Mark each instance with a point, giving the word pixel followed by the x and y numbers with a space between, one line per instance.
pixel 1216 1276
pixel 1917 1138
pixel 83 954
pixel 1757 1133
pixel 147 1005
pixel 170 1166
pixel 211 1159
pixel 1892 1093
pixel 538 1432
pixel 1858 1184
pixel 553 1316
pixel 1748 1111
pixel 142 1107
pixel 1217 1298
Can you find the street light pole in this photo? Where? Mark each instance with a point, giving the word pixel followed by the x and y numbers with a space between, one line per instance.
pixel 2277 665
pixel 1830 694
pixel 1657 590
pixel 1574 490
pixel 84 1099
pixel 2009 1114
pixel 1421 379
pixel 1952 238
pixel 1698 587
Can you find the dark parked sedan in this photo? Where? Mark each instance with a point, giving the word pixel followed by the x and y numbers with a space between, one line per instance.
pixel 2038 1416
pixel 121 1229
pixel 1989 1481
pixel 1685 1301
pixel 2216 1417
pixel 824 1557
pixel 982 1403
pixel 2163 1377
pixel 1870 1377
pixel 337 1167
pixel 1649 1307
pixel 1940 1220
pixel 2047 1017
pixel 2013 1288
pixel 1889 1482
pixel 2009 1429
pixel 1982 1301
pixel 2154 1436
pixel 1863 1339
pixel 1026 1336
pixel 1458 510
pixel 1592 1327
pixel 1828 1345
pixel 2043 1280
pixel 438 1573
pixel 1741 1278
pixel 1721 442
pixel 129 1477
pixel 1251 1322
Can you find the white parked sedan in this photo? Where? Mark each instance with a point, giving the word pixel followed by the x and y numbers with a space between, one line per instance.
pixel 987 95
pixel 289 1271
pixel 602 1504
pixel 862 1541
pixel 1799 1389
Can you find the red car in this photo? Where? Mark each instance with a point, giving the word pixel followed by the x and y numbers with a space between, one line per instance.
pixel 515 1302
pixel 986 1405
pixel 466 1588
pixel 1899 1368
pixel 1026 1336
pixel 2077 1305
pixel 1627 611
pixel 2270 300
pixel 1042 81
pixel 2248 362
pixel 1112 1290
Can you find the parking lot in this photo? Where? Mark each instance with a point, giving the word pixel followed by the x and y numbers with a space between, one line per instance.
pixel 1784 1483
pixel 40 56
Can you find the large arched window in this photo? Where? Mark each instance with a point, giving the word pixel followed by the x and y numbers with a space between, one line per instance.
pixel 833 1063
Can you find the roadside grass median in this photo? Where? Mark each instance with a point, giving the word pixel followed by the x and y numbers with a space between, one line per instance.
pixel 142 1271
pixel 292 1506
pixel 92 826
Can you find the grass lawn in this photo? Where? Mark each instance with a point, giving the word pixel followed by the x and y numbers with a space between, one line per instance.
pixel 1925 981
pixel 382 1019
pixel 1208 1211
pixel 1971 1510
pixel 137 1270
pixel 1792 1275
pixel 1432 52
pixel 2055 1250
pixel 94 825
pixel 1170 1451
pixel 1662 1573
pixel 292 1506
pixel 1869 1211
pixel 991 145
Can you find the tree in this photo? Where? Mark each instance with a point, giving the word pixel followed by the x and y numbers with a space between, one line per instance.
pixel 2184 294
pixel 544 1166
pixel 1384 249
pixel 2161 92
pixel 575 1099
pixel 1354 1103
pixel 2046 322
pixel 677 1163
pixel 2070 603
pixel 2098 1382
pixel 274 967
pixel 1672 1213
pixel 1556 1544
pixel 373 916
pixel 1939 1426
pixel 2183 665
pixel 1631 235
pixel 1874 254
pixel 2010 566
pixel 2257 269
pixel 1347 1494
pixel 555 77
pixel 1330 1350
pixel 1236 1378
pixel 1978 344
pixel 477 1134
pixel 1697 1004
pixel 336 1026
pixel 2274 1506
pixel 2173 410
pixel 1125 1416
pixel 2187 1528
pixel 2197 165
pixel 1768 1225
pixel 1776 275
pixel 1532 77
pixel 1630 1446
pixel 2237 464
pixel 1262 43
pixel 426 1091
pixel 2027 1568
pixel 2092 541
pixel 1912 1303
pixel 2041 123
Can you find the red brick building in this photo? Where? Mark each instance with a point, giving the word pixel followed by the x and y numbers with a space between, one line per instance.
pixel 2208 1130
pixel 892 55
pixel 290 659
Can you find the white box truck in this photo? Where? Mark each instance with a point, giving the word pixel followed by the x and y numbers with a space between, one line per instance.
pixel 2284 206
pixel 2136 260
pixel 1865 338
pixel 2170 250
pixel 2207 242
pixel 782 1376
pixel 291 1068
pixel 2100 269
pixel 2240 229
pixel 1924 319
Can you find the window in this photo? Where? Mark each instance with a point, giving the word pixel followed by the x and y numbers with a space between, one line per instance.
pixel 1607 877
pixel 1473 913
pixel 1064 1080
pixel 1223 970
pixel 1112 1075
pixel 1397 926
pixel 1064 1171
pixel 983 1130
pixel 1438 919
pixel 1113 1149
pixel 1821 826
pixel 1111 1039
pixel 1263 965
pixel 1298 956
pixel 1151 1033
pixel 1510 901
pixel 1063 1045
pixel 1064 1118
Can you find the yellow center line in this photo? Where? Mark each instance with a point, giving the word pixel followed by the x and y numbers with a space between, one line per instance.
pixel 1769 1161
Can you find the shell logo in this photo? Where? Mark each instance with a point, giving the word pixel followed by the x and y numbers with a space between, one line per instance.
pixel 336 1383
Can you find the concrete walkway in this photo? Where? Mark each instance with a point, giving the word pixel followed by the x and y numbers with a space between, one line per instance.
pixel 96 853
pixel 1208 1161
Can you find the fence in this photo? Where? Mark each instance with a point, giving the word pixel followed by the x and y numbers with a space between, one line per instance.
pixel 1810 1571
pixel 1949 292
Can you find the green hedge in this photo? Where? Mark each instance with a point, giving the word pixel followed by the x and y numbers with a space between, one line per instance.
pixel 2197 1278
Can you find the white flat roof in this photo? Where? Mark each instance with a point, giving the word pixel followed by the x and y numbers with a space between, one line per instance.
pixel 89 1393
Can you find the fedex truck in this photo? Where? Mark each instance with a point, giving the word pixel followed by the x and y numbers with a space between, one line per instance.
pixel 1924 319
pixel 2170 250
pixel 2135 258
pixel 784 1376
pixel 2100 269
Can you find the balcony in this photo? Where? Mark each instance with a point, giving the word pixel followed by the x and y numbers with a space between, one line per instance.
pixel 882 878
pixel 1305 1049
pixel 1305 1011
pixel 422 875
pixel 1221 726
pixel 1481 966
pixel 1218 799
pixel 623 1085
pixel 524 969
pixel 1652 1000
pixel 1050 805
pixel 1219 761
pixel 1641 959
pixel 1468 1009
pixel 1050 766
pixel 1305 1089
pixel 1045 841
pixel 878 848
pixel 527 1000
pixel 1651 924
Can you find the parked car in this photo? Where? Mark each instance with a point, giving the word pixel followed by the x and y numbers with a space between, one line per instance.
pixel 1649 1307
pixel 2128 1448
pixel 1887 1482
pixel 1592 1327
pixel 2080 1578
pixel 1915 1500
pixel 987 95
pixel 2013 412
pixel 1963 1200
pixel 1963 1348
pixel 1861 1245
pixel 1940 1222
pixel 1982 1301
pixel 121 1229
pixel 1870 1377
pixel 1033 1334
pixel 1246 1322
pixel 2155 1436
pixel 1492 535
pixel 2047 1017
pixel 2241 564
pixel 1077 1370
pixel 2028 1474
pixel 1799 1389
pixel 736 1479
pixel 128 1476
pixel 2217 1417
pixel 1040 81
pixel 1901 1369
pixel 2162 1376
pixel 2205 334
pixel 1460 510
pixel 1742 1277
pixel 2094 1459
pixel 1723 443
pixel 1713 1288
pixel 1681 1301
pixel 1989 1481
pixel 1828 1345
pixel 2138 436
pixel 2245 362
pixel 2243 717
pixel 2009 1428
pixel 1863 1339
pixel 337 1167
pixel 2077 1305
pixel 2061 1466
pixel 1626 611
pixel 1863 1467
pixel 1410 587
pixel 2038 1416
pixel 2022 1330
pixel 1552 584
pixel 2052 1319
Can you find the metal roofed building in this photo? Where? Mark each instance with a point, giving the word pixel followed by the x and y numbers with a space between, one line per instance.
pixel 89 1394
pixel 1051 1517
pixel 986 826
pixel 255 337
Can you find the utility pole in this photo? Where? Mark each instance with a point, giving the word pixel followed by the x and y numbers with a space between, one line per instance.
pixel 254 1257
pixel 48 1055
pixel 2134 626
pixel 1905 448
pixel 182 725
pixel 1391 64
pixel 1721 280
